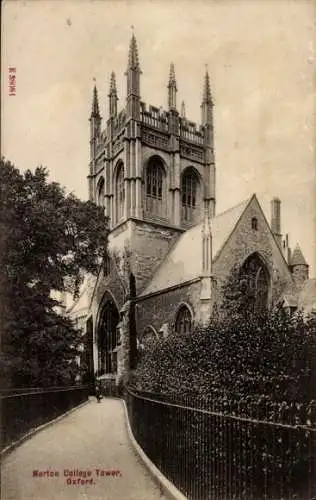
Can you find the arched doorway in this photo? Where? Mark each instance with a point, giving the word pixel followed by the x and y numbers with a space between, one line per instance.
pixel 108 338
pixel 256 279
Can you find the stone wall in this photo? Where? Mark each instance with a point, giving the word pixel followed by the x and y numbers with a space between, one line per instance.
pixel 162 308
pixel 149 246
pixel 244 241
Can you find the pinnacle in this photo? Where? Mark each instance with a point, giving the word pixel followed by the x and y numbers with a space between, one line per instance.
pixel 113 84
pixel 182 109
pixel 95 103
pixel 207 98
pixel 172 77
pixel 133 62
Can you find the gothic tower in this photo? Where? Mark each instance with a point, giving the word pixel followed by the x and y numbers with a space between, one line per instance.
pixel 152 169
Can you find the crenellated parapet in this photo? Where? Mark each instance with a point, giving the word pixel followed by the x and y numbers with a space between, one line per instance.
pixel 154 117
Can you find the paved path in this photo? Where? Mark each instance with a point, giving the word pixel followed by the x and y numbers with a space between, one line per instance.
pixel 89 439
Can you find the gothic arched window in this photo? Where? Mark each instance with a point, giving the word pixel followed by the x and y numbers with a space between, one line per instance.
pixel 183 320
pixel 189 194
pixel 120 193
pixel 107 338
pixel 154 187
pixel 255 275
pixel 101 192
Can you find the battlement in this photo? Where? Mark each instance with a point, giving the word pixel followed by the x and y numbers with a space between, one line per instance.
pixel 154 117
pixel 165 129
pixel 190 131
pixel 157 119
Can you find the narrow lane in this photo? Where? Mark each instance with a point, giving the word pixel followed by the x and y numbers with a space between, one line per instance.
pixel 72 460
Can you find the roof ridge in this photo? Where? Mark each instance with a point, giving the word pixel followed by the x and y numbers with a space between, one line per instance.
pixel 234 207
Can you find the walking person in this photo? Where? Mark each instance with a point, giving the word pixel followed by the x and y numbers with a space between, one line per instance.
pixel 98 394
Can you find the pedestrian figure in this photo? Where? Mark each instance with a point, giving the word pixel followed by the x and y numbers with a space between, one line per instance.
pixel 98 394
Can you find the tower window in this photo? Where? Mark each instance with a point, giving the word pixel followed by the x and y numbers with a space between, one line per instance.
pixel 101 192
pixel 154 184
pixel 120 193
pixel 183 320
pixel 189 192
pixel 254 223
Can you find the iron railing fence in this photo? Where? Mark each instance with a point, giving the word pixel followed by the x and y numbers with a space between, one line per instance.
pixel 210 450
pixel 23 410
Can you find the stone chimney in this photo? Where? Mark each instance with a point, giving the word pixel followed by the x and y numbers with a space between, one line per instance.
pixel 276 220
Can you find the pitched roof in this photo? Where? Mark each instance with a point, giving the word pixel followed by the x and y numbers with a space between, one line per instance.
pixel 297 257
pixel 184 261
pixel 79 306
pixel 223 224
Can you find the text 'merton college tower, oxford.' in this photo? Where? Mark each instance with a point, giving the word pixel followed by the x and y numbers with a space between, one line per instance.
pixel 153 171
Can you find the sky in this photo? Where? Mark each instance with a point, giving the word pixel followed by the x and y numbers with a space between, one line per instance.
pixel 261 58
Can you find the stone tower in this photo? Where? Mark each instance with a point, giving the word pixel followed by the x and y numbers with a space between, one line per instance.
pixel 152 169
pixel 298 267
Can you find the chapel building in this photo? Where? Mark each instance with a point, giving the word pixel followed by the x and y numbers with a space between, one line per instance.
pixel 153 171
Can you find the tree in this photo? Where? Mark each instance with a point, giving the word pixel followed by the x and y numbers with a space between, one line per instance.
pixel 48 241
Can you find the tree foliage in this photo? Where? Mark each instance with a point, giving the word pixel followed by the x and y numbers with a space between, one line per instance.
pixel 48 241
pixel 241 353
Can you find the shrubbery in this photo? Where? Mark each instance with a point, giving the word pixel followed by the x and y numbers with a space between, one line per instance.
pixel 241 353
pixel 245 363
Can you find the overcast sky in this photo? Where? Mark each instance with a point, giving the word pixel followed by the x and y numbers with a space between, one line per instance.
pixel 261 59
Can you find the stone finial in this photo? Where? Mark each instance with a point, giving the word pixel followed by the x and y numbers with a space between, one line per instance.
pixel 207 102
pixel 207 97
pixel 113 90
pixel 183 110
pixel 172 88
pixel 95 103
pixel 172 77
pixel 113 96
pixel 133 61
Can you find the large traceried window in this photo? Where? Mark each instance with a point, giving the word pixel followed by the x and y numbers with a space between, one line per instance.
pixel 189 195
pixel 154 187
pixel 255 275
pixel 108 338
pixel 100 193
pixel 183 320
pixel 120 193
